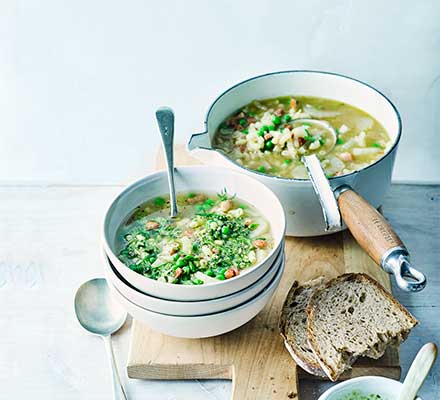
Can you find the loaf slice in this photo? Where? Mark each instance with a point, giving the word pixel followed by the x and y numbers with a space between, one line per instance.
pixel 293 326
pixel 351 316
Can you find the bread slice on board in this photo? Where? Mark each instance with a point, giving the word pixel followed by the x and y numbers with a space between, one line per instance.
pixel 351 316
pixel 293 326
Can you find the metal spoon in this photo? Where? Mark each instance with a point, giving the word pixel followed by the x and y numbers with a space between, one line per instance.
pixel 165 120
pixel 98 314
pixel 418 371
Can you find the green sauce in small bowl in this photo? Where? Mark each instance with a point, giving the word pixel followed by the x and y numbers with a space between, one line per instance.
pixel 356 395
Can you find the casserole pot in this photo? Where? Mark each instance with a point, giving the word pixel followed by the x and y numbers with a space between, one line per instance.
pixel 354 196
pixel 303 211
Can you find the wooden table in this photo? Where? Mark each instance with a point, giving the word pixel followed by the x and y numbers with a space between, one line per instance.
pixel 50 245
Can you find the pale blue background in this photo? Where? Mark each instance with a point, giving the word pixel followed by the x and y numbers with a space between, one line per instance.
pixel 80 80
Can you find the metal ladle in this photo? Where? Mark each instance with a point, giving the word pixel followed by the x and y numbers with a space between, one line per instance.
pixel 165 120
pixel 98 314
pixel 373 233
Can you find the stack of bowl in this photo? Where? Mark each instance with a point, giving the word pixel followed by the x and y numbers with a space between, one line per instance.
pixel 200 310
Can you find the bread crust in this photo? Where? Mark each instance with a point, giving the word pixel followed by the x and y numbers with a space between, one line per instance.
pixel 311 309
pixel 313 368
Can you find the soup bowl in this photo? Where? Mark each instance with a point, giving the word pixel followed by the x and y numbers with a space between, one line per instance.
pixel 195 179
pixel 189 308
pixel 302 206
pixel 386 388
pixel 201 326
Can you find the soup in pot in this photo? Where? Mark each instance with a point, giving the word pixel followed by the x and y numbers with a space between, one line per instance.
pixel 213 238
pixel 271 136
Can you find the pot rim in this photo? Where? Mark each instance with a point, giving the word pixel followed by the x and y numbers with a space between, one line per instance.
pixel 304 180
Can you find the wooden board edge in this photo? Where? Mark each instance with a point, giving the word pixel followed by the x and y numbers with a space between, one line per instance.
pixel 179 372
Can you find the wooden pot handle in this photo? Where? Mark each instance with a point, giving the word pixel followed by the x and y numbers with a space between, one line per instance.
pixel 371 230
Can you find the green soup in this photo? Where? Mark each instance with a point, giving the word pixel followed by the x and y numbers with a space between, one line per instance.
pixel 213 238
pixel 265 136
pixel 356 395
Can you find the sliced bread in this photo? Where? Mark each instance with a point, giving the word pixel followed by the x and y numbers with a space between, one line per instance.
pixel 293 326
pixel 351 316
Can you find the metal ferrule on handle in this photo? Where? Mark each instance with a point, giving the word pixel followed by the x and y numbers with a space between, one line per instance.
pixel 396 261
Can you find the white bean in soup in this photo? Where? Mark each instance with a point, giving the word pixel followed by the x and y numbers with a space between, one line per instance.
pixel 213 238
pixel 264 136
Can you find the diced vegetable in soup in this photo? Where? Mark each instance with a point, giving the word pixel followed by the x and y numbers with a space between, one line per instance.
pixel 213 238
pixel 271 136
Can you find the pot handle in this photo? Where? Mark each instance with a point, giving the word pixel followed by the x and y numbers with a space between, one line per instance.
pixel 199 141
pixel 329 205
pixel 376 236
pixel 370 229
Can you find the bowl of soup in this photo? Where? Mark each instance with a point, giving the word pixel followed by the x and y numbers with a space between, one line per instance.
pixel 189 308
pixel 365 388
pixel 264 125
pixel 207 325
pixel 228 232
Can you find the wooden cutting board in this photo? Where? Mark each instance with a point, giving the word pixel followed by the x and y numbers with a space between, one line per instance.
pixel 254 356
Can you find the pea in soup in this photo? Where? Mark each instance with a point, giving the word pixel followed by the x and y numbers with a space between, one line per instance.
pixel 268 136
pixel 213 238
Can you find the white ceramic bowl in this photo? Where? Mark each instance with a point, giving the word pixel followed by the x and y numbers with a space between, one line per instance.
pixel 387 388
pixel 197 179
pixel 202 325
pixel 303 210
pixel 188 308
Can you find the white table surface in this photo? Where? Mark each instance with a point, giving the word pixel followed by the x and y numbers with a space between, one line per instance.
pixel 50 245
pixel 80 80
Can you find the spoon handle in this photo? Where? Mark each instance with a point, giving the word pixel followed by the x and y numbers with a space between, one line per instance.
pixel 118 390
pixel 165 120
pixel 418 371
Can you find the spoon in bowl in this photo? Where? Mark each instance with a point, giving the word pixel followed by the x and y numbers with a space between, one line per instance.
pixel 418 371
pixel 165 120
pixel 98 314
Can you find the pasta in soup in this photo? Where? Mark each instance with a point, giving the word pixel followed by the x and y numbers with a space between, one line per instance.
pixel 271 136
pixel 213 238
